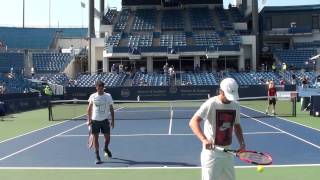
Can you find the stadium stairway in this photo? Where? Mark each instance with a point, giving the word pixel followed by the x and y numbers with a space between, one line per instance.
pixel 130 22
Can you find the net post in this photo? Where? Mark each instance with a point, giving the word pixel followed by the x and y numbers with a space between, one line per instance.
pixel 50 110
pixel 294 103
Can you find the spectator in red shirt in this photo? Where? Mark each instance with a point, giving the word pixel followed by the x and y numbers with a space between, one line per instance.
pixel 272 94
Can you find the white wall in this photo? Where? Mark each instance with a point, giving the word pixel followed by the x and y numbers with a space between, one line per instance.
pixel 65 43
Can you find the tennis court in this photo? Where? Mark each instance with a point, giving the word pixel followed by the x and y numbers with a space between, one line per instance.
pixel 158 138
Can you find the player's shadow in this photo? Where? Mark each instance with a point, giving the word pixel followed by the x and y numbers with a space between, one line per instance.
pixel 129 162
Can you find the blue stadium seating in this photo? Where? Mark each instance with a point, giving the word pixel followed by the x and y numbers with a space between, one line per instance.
pixel 150 79
pixel 111 80
pixel 207 39
pixel 237 16
pixel 113 40
pixel 36 38
pixel 196 79
pixel 50 62
pixel 109 17
pixel 295 57
pixel 201 19
pixel 55 78
pixel 145 20
pixel 140 40
pixel 123 20
pixel 307 45
pixel 170 40
pixel 234 39
pixel 172 20
pixel 224 21
pixel 14 84
pixel 8 60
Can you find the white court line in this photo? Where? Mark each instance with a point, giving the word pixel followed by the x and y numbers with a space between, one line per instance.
pixel 33 145
pixel 137 135
pixel 146 168
pixel 284 119
pixel 38 130
pixel 33 131
pixel 170 122
pixel 294 136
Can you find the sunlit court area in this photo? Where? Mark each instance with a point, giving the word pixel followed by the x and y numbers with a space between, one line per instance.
pixel 148 89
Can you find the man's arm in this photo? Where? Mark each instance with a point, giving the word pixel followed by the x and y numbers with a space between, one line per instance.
pixel 112 116
pixel 89 113
pixel 196 128
pixel 239 135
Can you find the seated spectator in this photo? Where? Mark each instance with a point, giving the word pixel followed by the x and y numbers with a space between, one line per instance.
pixel 113 69
pixel 197 68
pixel 121 68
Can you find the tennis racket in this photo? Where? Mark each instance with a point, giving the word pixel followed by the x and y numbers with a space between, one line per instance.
pixel 252 157
pixel 90 138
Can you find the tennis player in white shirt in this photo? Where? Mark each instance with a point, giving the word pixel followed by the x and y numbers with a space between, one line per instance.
pixel 221 115
pixel 99 110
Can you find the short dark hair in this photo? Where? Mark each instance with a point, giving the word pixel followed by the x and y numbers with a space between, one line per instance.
pixel 99 83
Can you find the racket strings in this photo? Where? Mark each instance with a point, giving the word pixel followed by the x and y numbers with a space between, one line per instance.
pixel 255 157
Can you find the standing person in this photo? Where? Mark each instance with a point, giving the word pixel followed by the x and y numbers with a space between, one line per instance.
pixel 221 114
pixel 99 108
pixel 272 93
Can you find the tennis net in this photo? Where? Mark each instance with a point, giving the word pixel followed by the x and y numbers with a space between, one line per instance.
pixel 165 110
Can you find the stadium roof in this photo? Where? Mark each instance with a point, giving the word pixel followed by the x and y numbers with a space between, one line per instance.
pixel 271 9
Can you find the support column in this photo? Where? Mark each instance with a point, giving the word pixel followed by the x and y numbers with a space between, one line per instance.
pixel 149 64
pixel 196 61
pixel 105 65
pixel 241 64
pixel 93 60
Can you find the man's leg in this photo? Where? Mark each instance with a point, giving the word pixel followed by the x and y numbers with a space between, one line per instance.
pixel 106 145
pixel 106 133
pixel 95 131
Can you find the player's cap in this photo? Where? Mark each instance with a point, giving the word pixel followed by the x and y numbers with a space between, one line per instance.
pixel 230 88
pixel 99 83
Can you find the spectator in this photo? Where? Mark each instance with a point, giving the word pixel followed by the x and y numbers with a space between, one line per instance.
pixel 121 68
pixel 284 67
pixel 274 67
pixel 304 82
pixel 113 69
pixel 32 72
pixel 143 69
pixel 293 79
pixel 197 68
pixel 166 68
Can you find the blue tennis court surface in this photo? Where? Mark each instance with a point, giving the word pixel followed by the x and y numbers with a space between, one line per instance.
pixel 156 143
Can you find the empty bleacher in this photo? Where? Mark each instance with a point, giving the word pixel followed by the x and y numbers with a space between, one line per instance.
pixel 50 62
pixel 170 40
pixel 113 40
pixel 223 18
pixel 122 21
pixel 201 19
pixel 207 39
pixel 295 57
pixel 196 79
pixel 14 83
pixel 109 17
pixel 55 78
pixel 140 40
pixel 111 80
pixel 150 79
pixel 172 20
pixel 11 60
pixel 234 39
pixel 145 20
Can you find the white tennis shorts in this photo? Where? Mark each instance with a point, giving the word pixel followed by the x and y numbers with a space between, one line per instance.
pixel 217 165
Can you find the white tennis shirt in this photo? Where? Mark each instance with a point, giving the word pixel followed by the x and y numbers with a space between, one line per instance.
pixel 101 106
pixel 219 120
